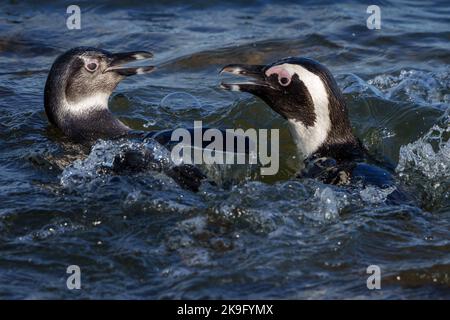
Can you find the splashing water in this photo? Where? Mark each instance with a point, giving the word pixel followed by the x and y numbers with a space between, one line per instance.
pixel 426 162
pixel 372 194
pixel 102 159
pixel 276 238
pixel 415 86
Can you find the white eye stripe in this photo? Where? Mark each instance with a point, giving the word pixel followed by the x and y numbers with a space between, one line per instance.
pixel 309 139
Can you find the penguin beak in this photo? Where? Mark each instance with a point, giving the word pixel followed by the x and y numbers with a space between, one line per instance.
pixel 257 82
pixel 118 60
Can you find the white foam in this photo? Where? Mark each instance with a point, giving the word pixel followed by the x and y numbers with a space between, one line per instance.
pixel 415 85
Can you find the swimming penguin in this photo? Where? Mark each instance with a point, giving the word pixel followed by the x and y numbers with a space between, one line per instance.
pixel 306 94
pixel 77 90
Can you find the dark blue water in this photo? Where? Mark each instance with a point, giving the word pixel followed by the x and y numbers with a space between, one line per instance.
pixel 143 237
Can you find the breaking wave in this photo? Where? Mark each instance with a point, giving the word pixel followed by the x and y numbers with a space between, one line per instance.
pixel 417 86
pixel 425 163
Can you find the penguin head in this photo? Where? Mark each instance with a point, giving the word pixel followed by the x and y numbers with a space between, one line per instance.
pixel 305 93
pixel 82 79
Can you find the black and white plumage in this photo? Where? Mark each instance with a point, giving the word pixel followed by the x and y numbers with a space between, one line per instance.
pixel 306 94
pixel 76 96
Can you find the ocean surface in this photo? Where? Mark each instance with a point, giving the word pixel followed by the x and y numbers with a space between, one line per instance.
pixel 248 237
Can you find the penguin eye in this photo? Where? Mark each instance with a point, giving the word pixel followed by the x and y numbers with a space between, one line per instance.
pixel 284 76
pixel 91 66
pixel 284 81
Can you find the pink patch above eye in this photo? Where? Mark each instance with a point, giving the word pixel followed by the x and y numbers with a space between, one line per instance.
pixel 284 77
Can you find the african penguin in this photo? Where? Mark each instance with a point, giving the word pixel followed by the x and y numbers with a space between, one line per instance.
pixel 77 90
pixel 78 87
pixel 306 94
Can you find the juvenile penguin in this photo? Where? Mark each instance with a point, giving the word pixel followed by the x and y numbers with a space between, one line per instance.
pixel 76 96
pixel 305 93
pixel 78 87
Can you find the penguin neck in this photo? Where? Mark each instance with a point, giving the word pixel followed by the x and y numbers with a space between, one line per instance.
pixel 330 136
pixel 88 118
pixel 92 124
